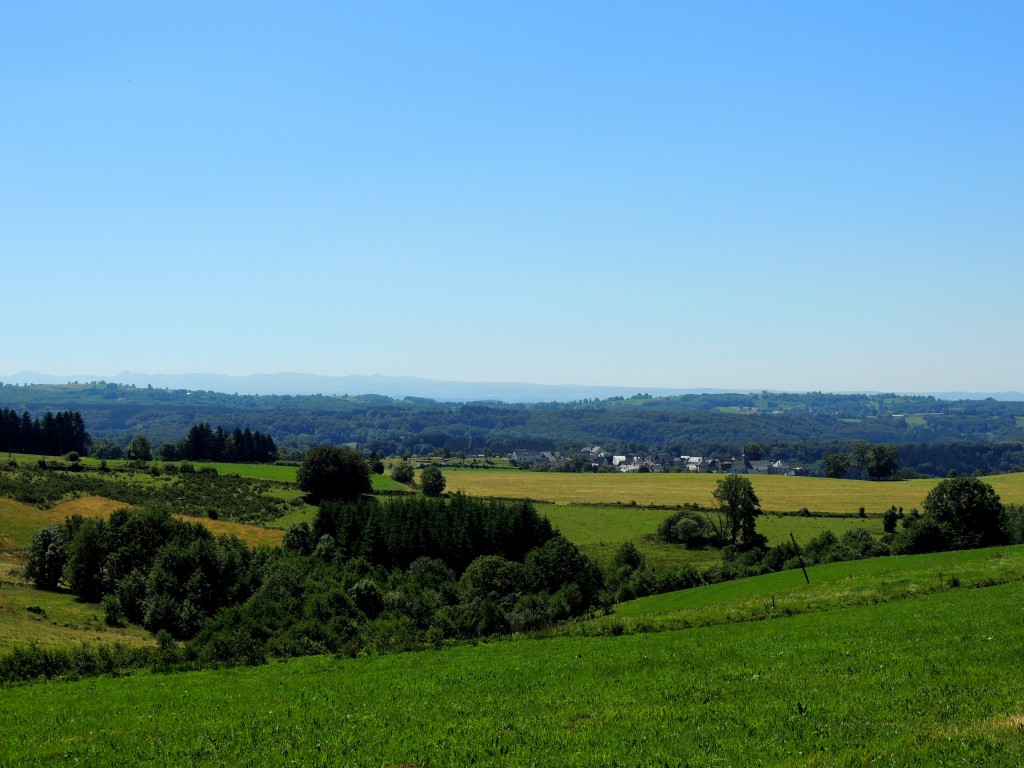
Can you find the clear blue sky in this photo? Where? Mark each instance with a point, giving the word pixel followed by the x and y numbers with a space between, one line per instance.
pixel 793 196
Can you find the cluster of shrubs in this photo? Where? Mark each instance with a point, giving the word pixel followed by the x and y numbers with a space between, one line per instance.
pixel 689 527
pixel 404 573
pixel 31 662
pixel 146 567
pixel 959 513
pixel 323 603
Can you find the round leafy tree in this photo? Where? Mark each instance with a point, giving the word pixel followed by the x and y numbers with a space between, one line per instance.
pixel 967 511
pixel 432 482
pixel 330 473
pixel 403 472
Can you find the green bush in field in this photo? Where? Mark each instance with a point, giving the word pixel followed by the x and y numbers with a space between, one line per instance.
pixel 687 527
pixel 403 472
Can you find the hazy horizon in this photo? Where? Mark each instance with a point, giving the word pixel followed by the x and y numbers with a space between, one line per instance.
pixel 297 383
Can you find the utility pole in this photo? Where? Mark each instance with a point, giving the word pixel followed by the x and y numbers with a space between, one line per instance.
pixel 800 557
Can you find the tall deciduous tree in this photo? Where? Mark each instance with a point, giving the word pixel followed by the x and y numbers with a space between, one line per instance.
pixel 882 461
pixel 432 481
pixel 739 508
pixel 836 465
pixel 139 449
pixel 403 472
pixel 859 455
pixel 753 451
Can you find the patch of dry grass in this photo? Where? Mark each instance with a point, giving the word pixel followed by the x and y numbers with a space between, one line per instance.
pixel 253 535
pixel 19 522
pixel 777 494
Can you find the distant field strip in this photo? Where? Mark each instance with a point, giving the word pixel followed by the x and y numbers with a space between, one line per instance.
pixel 777 494
pixel 286 474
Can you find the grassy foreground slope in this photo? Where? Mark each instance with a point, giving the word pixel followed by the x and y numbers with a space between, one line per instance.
pixel 832 586
pixel 928 681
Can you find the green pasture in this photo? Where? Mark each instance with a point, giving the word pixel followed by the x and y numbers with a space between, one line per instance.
pixel 832 586
pixel 58 620
pixel 777 493
pixel 778 527
pixel 599 530
pixel 934 680
pixel 278 473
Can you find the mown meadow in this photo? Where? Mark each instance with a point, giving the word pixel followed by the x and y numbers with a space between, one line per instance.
pixel 777 493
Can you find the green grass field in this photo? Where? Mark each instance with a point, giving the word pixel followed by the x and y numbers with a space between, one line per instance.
pixel 275 472
pixel 62 620
pixel 833 586
pixel 598 530
pixel 893 661
pixel 933 680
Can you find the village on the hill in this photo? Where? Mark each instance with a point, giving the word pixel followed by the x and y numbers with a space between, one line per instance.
pixel 596 459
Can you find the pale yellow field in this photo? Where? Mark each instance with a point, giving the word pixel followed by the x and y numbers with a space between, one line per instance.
pixel 777 494
pixel 18 522
pixel 253 535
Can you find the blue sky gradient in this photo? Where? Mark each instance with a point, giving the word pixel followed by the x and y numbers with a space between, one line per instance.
pixel 793 196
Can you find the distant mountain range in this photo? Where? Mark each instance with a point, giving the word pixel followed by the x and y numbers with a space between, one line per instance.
pixel 406 386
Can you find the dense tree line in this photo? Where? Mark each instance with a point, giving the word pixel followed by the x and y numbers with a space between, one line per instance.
pixel 55 434
pixel 402 573
pixel 399 530
pixel 145 565
pixel 799 428
pixel 203 443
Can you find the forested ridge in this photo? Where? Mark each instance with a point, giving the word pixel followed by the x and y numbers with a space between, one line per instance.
pixel 942 434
